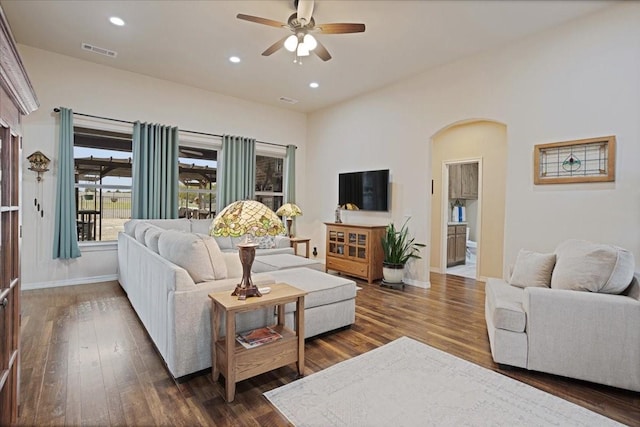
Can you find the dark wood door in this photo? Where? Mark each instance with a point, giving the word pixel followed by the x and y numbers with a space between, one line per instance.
pixel 17 99
pixel 10 155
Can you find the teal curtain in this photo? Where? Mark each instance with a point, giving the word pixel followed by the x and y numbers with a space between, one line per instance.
pixel 290 175
pixel 155 171
pixel 236 178
pixel 65 233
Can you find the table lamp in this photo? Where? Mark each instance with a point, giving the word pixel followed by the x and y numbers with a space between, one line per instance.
pixel 289 210
pixel 250 219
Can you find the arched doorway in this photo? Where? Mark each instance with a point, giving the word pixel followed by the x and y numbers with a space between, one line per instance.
pixel 484 142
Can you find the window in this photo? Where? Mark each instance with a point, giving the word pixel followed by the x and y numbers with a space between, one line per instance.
pixel 269 181
pixel 103 183
pixel 197 182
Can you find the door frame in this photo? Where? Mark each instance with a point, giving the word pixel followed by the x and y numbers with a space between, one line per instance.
pixel 445 214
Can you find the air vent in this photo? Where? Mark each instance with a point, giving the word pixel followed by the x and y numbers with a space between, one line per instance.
pixel 99 50
pixel 288 100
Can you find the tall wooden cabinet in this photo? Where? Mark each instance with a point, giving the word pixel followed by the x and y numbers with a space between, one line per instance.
pixel 16 99
pixel 355 250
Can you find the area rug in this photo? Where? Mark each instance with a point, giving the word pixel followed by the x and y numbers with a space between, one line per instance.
pixel 407 383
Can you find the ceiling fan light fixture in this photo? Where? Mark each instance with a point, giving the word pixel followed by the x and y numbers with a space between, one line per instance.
pixel 291 43
pixel 310 41
pixel 303 50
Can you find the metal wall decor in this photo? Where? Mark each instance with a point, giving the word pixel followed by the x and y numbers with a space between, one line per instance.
pixel 583 160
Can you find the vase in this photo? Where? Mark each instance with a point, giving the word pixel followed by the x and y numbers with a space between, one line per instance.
pixel 392 273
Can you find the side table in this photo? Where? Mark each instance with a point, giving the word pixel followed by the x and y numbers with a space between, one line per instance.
pixel 295 241
pixel 236 363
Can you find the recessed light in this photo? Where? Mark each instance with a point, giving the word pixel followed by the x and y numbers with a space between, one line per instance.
pixel 234 59
pixel 116 21
pixel 314 85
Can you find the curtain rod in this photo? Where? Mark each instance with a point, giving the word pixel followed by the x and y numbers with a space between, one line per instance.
pixel 57 110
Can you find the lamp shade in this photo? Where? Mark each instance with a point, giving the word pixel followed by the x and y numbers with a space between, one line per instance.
pixel 289 210
pixel 291 43
pixel 246 217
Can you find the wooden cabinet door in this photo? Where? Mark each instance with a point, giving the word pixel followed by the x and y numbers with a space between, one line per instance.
pixel 455 181
pixel 451 250
pixel 469 181
pixel 461 248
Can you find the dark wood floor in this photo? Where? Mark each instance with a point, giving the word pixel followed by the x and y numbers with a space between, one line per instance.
pixel 86 359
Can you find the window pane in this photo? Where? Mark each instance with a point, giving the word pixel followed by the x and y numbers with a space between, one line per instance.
pixel 103 183
pixel 269 180
pixel 273 202
pixel 269 174
pixel 197 185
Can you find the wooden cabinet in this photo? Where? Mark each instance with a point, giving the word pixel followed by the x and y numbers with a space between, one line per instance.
pixel 355 250
pixel 16 99
pixel 456 244
pixel 463 181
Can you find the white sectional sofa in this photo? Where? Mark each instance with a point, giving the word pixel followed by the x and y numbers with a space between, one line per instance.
pixel 175 308
pixel 574 313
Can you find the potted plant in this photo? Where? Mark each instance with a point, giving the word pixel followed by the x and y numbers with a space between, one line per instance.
pixel 398 248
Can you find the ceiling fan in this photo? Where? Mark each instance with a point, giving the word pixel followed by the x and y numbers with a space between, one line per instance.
pixel 303 26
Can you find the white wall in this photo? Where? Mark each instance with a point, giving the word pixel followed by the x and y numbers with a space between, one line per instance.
pixel 577 81
pixel 95 89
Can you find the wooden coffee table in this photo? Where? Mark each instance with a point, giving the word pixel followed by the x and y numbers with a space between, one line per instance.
pixel 235 362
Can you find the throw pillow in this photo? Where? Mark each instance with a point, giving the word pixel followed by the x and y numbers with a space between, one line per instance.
pixel 130 227
pixel 151 238
pixel 266 242
pixel 532 269
pixel 234 266
pixel 201 226
pixel 198 254
pixel 593 267
pixel 141 230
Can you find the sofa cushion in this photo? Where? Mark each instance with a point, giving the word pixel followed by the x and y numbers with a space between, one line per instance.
pixel 592 267
pixel 228 243
pixel 322 288
pixel 197 253
pixel 532 269
pixel 182 224
pixel 201 226
pixel 504 303
pixel 141 230
pixel 151 238
pixel 283 261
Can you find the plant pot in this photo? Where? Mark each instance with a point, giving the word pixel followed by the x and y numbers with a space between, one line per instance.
pixel 88 196
pixel 392 273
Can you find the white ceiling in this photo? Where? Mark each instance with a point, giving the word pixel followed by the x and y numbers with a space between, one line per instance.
pixel 190 42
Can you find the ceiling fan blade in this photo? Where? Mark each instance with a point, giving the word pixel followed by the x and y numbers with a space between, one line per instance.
pixel 275 47
pixel 322 52
pixel 343 28
pixel 259 20
pixel 305 10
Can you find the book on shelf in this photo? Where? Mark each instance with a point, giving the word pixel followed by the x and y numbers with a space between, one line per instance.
pixel 256 337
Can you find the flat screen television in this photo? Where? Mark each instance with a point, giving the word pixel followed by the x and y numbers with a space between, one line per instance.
pixel 368 190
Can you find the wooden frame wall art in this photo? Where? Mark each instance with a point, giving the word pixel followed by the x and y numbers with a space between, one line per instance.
pixel 583 160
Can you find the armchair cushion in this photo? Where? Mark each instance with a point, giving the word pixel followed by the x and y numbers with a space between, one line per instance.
pixel 504 306
pixel 532 269
pixel 592 267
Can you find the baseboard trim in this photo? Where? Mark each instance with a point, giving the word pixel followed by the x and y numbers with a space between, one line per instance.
pixel 69 282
